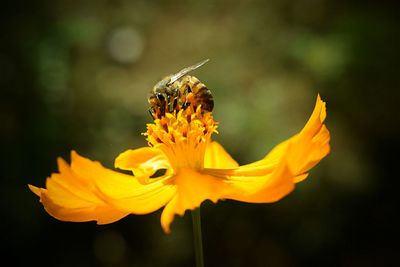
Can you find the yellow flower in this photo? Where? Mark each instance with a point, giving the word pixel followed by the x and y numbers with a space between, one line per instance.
pixel 196 169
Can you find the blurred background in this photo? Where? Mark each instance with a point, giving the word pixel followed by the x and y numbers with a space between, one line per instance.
pixel 76 75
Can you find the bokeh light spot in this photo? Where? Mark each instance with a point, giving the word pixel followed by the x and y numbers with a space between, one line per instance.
pixel 126 45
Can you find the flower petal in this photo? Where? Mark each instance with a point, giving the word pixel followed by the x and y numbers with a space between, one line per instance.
pixel 217 157
pixel 143 161
pixel 140 200
pixel 87 191
pixel 273 177
pixel 101 213
pixel 261 189
pixel 123 191
pixel 70 197
pixel 311 144
pixel 307 148
pixel 192 189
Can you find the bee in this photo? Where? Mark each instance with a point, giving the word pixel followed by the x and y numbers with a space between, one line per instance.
pixel 179 91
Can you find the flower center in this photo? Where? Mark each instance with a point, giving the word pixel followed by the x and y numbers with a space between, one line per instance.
pixel 183 136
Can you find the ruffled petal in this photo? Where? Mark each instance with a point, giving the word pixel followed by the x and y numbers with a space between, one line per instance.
pixel 273 177
pixel 87 191
pixel 192 189
pixel 140 200
pixel 143 161
pixel 75 211
pixel 261 189
pixel 70 197
pixel 311 144
pixel 307 148
pixel 217 157
pixel 123 191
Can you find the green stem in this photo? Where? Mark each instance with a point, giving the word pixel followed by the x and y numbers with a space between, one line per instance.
pixel 198 245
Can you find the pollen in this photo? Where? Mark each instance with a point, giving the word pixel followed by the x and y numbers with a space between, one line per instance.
pixel 183 136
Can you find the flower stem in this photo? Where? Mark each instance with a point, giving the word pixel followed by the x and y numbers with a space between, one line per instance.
pixel 198 245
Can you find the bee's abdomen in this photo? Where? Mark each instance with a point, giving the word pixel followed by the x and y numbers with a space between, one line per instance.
pixel 202 95
pixel 205 98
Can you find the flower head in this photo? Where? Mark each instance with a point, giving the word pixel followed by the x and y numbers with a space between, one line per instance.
pixel 196 169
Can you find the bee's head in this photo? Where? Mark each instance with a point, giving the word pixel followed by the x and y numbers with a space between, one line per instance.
pixel 161 86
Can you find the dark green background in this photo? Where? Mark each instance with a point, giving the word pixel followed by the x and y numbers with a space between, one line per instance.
pixel 75 75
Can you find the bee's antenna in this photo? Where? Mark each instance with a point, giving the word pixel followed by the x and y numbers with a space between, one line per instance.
pixel 185 71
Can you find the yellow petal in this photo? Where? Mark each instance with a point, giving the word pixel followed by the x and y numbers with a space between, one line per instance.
pixel 317 117
pixel 217 157
pixel 123 191
pixel 273 177
pixel 257 168
pixel 192 189
pixel 70 197
pixel 143 161
pixel 307 148
pixel 311 144
pixel 261 189
pixel 300 178
pixel 101 213
pixel 138 200
pixel 87 191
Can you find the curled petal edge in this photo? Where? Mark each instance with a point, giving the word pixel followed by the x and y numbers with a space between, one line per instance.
pixel 86 191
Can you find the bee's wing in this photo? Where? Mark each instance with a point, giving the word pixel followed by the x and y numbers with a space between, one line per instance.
pixel 185 71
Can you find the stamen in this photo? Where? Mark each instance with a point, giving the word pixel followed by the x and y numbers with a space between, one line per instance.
pixel 183 135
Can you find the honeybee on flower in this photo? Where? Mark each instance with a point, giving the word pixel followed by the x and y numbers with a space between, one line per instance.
pixel 197 168
pixel 179 91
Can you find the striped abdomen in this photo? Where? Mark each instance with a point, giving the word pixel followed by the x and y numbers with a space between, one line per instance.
pixel 195 93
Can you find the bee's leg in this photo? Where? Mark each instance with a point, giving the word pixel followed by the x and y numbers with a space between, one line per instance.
pixel 188 91
pixel 186 105
pixel 175 104
pixel 171 104
pixel 168 104
pixel 150 110
pixel 152 113
pixel 162 110
pixel 163 103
